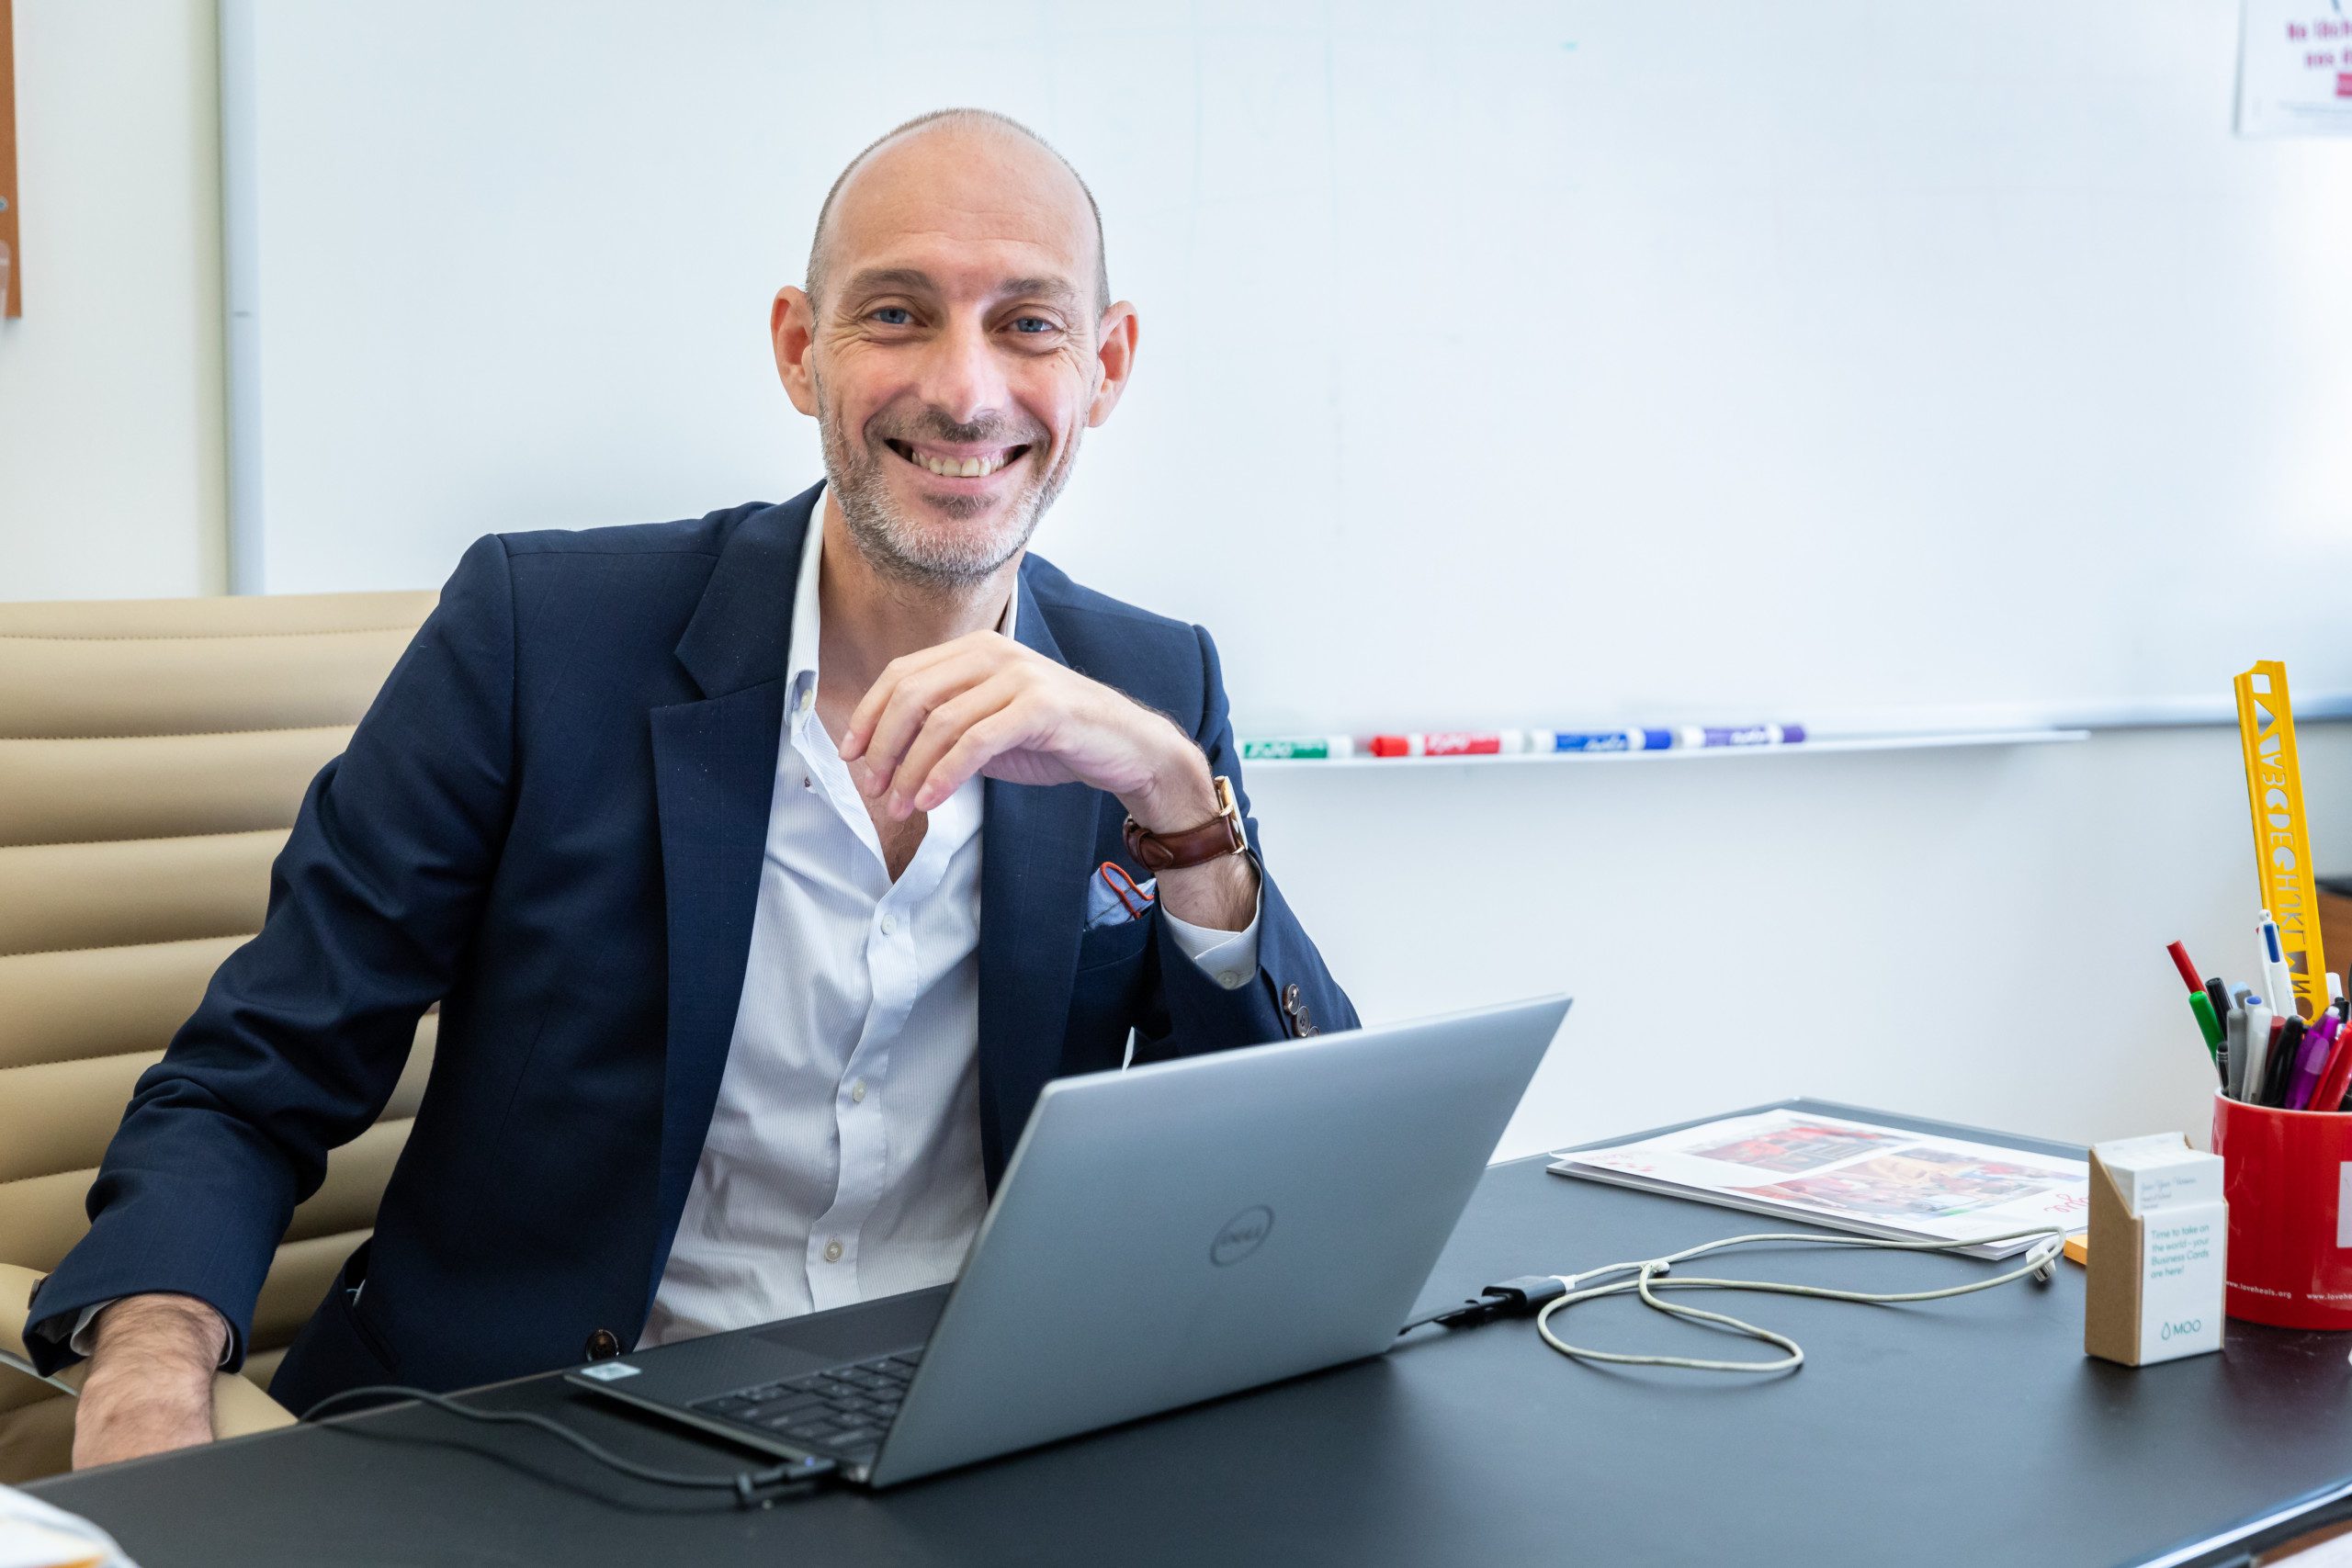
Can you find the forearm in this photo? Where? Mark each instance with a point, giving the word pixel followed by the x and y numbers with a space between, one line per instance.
pixel 1221 894
pixel 150 1383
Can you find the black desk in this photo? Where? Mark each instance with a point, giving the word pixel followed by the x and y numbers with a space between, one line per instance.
pixel 1968 1431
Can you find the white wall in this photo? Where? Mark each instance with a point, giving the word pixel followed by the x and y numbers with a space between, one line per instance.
pixel 112 448
pixel 1971 934
pixel 1976 934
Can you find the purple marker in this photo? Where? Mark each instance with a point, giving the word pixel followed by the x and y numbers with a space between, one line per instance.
pixel 2311 1061
pixel 1742 734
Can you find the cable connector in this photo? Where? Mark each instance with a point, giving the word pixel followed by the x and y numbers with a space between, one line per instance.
pixel 1520 1297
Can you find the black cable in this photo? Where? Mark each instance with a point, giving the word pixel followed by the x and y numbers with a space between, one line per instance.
pixel 1510 1298
pixel 746 1484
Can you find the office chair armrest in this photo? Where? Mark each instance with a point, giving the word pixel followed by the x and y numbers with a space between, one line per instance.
pixel 17 1287
pixel 239 1407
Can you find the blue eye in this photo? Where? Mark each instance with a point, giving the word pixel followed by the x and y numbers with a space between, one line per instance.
pixel 894 316
pixel 1032 325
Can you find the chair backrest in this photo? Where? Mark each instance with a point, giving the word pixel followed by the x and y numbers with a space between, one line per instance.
pixel 153 754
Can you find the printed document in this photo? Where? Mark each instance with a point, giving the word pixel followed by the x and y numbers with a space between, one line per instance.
pixel 1851 1175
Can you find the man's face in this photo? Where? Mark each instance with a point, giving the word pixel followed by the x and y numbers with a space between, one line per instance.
pixel 957 355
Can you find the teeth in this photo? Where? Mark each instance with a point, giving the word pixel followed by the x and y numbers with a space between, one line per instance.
pixel 969 468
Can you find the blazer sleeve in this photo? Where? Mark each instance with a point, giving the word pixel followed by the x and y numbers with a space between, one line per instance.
pixel 303 1030
pixel 1293 992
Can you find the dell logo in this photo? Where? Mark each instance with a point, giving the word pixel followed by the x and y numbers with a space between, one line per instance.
pixel 1242 1235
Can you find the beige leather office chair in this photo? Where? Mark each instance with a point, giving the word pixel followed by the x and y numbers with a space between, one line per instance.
pixel 152 757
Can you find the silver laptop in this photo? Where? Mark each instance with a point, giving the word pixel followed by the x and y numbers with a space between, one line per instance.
pixel 1162 1236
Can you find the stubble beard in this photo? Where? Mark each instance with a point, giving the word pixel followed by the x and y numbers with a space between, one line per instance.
pixel 919 552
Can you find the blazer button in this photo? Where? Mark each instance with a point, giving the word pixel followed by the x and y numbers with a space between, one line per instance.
pixel 1302 1020
pixel 603 1346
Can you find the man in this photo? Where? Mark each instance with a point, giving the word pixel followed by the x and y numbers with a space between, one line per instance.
pixel 683 826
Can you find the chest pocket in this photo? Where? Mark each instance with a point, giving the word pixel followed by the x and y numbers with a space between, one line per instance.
pixel 1105 945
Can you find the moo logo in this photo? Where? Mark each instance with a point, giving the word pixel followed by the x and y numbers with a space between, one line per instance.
pixel 1241 1235
pixel 2185 1326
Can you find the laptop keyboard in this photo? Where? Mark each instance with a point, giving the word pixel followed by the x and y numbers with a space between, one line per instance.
pixel 841 1412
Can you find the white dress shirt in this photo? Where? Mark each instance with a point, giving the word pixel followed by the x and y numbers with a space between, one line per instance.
pixel 843 1156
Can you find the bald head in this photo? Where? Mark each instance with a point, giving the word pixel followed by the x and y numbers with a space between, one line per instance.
pixel 954 342
pixel 997 156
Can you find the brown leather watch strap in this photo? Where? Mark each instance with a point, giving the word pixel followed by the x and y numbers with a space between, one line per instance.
pixel 1221 835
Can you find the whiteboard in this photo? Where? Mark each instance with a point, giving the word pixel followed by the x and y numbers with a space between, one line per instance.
pixel 1501 363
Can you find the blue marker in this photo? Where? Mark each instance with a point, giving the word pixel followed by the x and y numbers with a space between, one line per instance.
pixel 1742 734
pixel 1607 740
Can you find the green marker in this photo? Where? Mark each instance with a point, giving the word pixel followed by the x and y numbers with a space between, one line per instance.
pixel 2202 1005
pixel 1298 747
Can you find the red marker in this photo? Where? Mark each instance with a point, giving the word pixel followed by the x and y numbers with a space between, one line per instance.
pixel 1450 743
pixel 2188 970
pixel 2337 1076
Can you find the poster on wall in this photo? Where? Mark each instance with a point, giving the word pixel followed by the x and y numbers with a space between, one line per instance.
pixel 2295 68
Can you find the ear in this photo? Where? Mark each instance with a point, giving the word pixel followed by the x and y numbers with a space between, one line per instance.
pixel 1115 360
pixel 792 323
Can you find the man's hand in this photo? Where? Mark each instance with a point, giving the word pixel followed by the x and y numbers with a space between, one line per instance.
pixel 150 1387
pixel 984 705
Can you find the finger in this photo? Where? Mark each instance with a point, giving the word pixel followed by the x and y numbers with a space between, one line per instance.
pixel 869 708
pixel 939 733
pixel 911 706
pixel 1007 729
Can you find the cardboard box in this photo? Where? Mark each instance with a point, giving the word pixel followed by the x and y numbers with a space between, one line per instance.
pixel 2159 1240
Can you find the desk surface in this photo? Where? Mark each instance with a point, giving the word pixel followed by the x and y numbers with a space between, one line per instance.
pixel 1964 1431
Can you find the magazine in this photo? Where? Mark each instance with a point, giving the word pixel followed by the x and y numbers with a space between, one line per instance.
pixel 1851 1175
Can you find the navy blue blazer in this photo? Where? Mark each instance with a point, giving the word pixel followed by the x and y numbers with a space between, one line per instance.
pixel 551 821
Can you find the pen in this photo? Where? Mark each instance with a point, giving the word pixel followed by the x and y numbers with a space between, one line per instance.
pixel 2257 1049
pixel 2233 1053
pixel 2312 1062
pixel 2280 984
pixel 2337 1078
pixel 2209 1022
pixel 2220 993
pixel 2207 1025
pixel 2289 1073
pixel 2279 1068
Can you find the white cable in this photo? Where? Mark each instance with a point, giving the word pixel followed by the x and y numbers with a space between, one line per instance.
pixel 2040 1260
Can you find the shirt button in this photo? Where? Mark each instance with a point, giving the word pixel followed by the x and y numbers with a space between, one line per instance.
pixel 857 1091
pixel 888 925
pixel 833 1250
pixel 1231 979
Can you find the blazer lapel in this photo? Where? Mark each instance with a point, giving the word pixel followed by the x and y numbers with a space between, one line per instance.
pixel 714 765
pixel 1035 846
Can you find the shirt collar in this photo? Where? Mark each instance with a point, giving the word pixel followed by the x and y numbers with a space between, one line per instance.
pixel 800 656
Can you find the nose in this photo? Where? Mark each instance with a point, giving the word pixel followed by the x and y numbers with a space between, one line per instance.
pixel 963 377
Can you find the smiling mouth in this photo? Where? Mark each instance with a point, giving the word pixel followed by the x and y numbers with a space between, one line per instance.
pixel 950 465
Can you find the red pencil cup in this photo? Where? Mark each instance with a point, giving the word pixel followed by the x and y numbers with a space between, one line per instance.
pixel 2287 1175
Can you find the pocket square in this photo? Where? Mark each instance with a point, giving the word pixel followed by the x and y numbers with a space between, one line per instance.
pixel 1113 897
